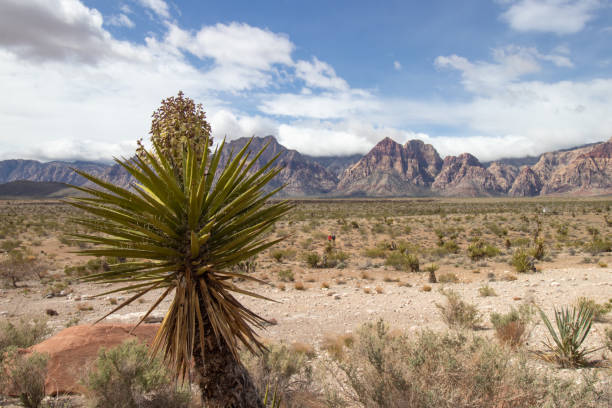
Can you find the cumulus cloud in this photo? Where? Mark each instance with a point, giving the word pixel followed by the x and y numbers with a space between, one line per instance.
pixel 556 16
pixel 79 93
pixel 44 30
pixel 120 20
pixel 159 7
pixel 509 64
pixel 234 44
pixel 319 74
pixel 397 65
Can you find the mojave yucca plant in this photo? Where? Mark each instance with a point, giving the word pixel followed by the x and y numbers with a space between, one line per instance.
pixel 572 328
pixel 181 232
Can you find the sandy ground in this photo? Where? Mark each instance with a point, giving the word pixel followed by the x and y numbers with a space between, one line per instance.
pixel 309 315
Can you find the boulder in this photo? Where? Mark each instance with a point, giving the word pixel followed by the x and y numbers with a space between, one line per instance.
pixel 74 350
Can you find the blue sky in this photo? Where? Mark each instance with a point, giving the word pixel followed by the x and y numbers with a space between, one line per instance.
pixel 497 78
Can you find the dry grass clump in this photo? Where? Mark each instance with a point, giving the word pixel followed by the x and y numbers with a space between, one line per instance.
pixel 299 286
pixel 379 290
pixel 336 344
pixel 511 328
pixel 486 291
pixel 325 285
pixel 425 288
pixel 446 370
pixel 448 277
pixel 457 313
pixel 286 371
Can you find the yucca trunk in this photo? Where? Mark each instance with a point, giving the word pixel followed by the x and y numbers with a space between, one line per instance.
pixel 224 381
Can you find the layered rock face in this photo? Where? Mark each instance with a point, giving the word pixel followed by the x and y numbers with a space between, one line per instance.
pixel 389 169
pixel 302 177
pixel 392 169
pixel 526 184
pixel 465 176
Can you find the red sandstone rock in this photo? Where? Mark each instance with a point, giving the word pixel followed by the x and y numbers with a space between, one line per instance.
pixel 74 350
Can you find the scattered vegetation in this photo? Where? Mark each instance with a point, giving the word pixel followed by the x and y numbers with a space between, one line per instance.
pixel 457 313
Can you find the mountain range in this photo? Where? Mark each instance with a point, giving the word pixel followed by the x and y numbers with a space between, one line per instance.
pixel 390 169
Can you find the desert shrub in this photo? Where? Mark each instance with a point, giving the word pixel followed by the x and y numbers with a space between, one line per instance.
pixel 522 261
pixel 127 377
pixel 312 259
pixel 480 250
pixel 374 252
pixel 444 370
pixel 10 244
pixel 572 326
pixel 486 291
pixel 496 229
pixel 402 262
pixel 286 275
pixel 457 313
pixel 281 254
pixel 511 328
pixel 22 334
pixel 26 377
pixel 287 370
pixel 19 266
pixel 609 338
pixel 448 277
pixel 598 245
pixel 451 246
pixel 599 310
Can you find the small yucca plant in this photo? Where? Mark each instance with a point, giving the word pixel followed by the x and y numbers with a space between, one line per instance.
pixel 572 328
pixel 182 231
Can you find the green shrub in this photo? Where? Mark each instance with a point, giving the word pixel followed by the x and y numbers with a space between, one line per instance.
pixel 26 376
pixel 480 250
pixel 312 259
pixel 287 370
pixel 127 377
pixel 522 261
pixel 430 370
pixel 374 252
pixel 486 291
pixel 457 313
pixel 402 262
pixel 599 310
pixel 286 275
pixel 22 334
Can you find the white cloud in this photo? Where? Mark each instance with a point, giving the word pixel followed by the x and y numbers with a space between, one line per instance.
pixel 234 44
pixel 52 30
pixel 397 65
pixel 556 16
pixel 159 7
pixel 510 64
pixel 319 74
pixel 120 20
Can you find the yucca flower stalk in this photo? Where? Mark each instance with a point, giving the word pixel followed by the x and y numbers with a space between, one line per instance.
pixel 181 232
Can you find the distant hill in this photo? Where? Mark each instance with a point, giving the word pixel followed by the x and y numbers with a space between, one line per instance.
pixel 390 169
pixel 34 189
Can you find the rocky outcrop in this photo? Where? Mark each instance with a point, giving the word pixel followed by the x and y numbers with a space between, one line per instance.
pixel 392 169
pixel 526 184
pixel 504 174
pixel 73 350
pixel 389 169
pixel 465 176
pixel 336 164
pixel 302 177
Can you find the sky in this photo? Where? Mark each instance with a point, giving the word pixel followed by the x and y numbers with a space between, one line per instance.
pixel 80 79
